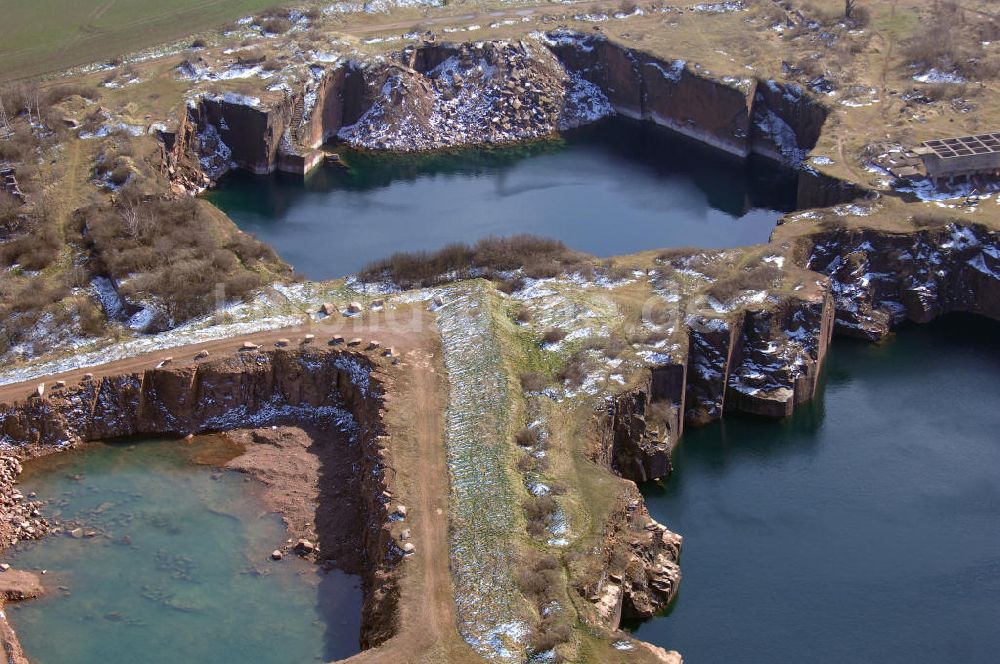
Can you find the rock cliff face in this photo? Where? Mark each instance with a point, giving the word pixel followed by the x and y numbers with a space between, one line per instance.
pixel 443 95
pixel 640 574
pixel 761 361
pixel 251 390
pixel 881 279
pixel 737 115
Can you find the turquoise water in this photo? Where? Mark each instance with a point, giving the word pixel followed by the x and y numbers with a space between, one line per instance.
pixel 179 570
pixel 617 188
pixel 865 528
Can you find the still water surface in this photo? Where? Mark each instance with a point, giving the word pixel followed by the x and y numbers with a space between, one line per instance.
pixel 617 188
pixel 179 570
pixel 865 528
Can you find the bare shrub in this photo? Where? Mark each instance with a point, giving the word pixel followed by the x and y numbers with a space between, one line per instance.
pixel 523 314
pixel 553 335
pixel 526 437
pixel 276 26
pixel 64 92
pixel 537 256
pixel 538 576
pixel 574 371
pixel 532 381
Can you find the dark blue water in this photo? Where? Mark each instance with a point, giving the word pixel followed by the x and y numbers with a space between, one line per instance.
pixel 617 188
pixel 866 528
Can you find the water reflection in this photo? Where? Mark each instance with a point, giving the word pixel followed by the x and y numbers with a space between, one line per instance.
pixel 616 188
pixel 861 529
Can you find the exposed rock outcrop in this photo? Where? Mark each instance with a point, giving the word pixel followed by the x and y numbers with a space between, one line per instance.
pixel 881 279
pixel 442 96
pixel 640 574
pixel 763 361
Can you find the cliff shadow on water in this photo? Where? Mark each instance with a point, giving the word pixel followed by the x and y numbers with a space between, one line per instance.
pixel 861 528
pixel 616 187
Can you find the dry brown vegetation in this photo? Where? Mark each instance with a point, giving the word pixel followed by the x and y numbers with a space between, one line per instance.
pixel 168 249
pixel 539 576
pixel 756 278
pixel 950 40
pixel 539 257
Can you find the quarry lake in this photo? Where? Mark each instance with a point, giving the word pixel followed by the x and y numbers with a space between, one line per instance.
pixel 862 529
pixel 177 569
pixel 615 188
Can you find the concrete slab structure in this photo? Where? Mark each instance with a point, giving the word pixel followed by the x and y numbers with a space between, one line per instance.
pixel 965 157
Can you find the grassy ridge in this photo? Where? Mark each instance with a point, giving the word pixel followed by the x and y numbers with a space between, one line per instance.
pixel 43 36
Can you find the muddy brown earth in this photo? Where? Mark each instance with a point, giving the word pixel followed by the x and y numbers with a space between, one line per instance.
pixel 310 478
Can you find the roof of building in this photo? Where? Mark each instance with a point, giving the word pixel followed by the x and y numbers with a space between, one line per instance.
pixel 964 146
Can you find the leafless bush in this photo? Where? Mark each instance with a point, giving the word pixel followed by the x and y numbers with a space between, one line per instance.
pixel 553 335
pixel 276 26
pixel 539 511
pixel 574 371
pixel 526 437
pixel 538 257
pixel 532 381
pixel 538 577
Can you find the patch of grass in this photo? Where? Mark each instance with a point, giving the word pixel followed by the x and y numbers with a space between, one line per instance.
pixel 49 35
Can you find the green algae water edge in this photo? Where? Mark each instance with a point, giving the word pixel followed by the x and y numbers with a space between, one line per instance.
pixel 865 528
pixel 178 570
pixel 613 188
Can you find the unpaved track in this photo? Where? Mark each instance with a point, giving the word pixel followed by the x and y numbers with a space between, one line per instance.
pixel 415 420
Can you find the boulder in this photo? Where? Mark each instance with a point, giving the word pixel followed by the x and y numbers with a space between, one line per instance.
pixel 354 342
pixel 202 354
pixel 336 340
pixel 249 345
pixel 281 343
pixel 277 555
pixel 354 308
pixel 309 338
pixel 304 547
pixel 328 309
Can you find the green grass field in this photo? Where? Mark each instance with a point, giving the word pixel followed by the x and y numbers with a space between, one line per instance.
pixel 42 36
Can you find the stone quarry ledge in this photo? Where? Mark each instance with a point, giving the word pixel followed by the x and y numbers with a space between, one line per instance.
pixel 445 95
